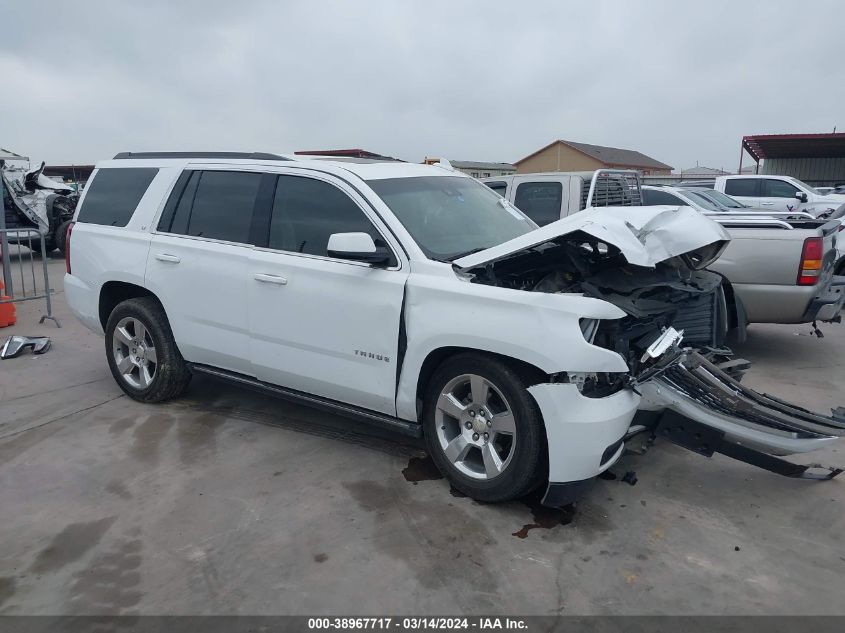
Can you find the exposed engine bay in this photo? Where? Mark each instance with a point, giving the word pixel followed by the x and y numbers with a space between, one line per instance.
pixel 673 293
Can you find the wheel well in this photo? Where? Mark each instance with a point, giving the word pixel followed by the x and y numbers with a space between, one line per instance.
pixel 113 292
pixel 529 372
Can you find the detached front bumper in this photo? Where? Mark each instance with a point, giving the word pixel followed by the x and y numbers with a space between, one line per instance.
pixel 695 388
pixel 585 436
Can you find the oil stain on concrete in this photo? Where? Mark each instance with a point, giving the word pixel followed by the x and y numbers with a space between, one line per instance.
pixel 544 518
pixel 71 544
pixel 421 469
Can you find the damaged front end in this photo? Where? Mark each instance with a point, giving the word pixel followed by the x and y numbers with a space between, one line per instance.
pixel 650 263
pixel 34 201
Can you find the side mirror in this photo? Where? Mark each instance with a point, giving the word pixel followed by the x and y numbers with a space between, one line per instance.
pixel 358 247
pixel 801 196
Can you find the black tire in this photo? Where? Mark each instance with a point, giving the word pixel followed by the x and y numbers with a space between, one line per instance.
pixel 171 374
pixel 60 236
pixel 528 464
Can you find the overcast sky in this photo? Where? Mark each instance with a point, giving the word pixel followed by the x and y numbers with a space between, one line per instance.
pixel 465 80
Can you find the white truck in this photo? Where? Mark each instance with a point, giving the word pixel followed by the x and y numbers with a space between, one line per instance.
pixel 414 298
pixel 780 193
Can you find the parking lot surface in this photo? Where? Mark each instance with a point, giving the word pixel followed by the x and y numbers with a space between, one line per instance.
pixel 229 502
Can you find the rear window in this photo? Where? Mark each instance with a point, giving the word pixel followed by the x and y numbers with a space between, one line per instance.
pixel 742 187
pixel 114 193
pixel 540 201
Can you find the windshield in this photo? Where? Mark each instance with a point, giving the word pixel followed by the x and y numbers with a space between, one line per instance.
pixel 720 198
pixel 704 201
pixel 451 216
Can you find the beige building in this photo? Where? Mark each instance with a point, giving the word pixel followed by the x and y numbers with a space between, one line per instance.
pixel 563 155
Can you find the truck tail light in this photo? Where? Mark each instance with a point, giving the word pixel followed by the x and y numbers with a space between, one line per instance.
pixel 67 246
pixel 811 261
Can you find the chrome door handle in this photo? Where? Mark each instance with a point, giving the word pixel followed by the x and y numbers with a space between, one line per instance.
pixel 767 204
pixel 164 257
pixel 270 279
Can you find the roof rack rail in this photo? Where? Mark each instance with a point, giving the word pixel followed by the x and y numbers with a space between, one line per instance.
pixel 249 155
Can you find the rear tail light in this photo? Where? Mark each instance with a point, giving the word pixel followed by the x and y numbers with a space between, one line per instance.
pixel 67 246
pixel 811 261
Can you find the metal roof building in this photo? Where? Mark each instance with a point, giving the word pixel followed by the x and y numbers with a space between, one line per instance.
pixel 563 155
pixel 818 159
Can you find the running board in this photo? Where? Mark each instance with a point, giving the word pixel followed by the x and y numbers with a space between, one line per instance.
pixel 705 440
pixel 373 418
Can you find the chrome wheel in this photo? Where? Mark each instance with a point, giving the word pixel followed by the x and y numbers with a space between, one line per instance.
pixel 134 353
pixel 475 426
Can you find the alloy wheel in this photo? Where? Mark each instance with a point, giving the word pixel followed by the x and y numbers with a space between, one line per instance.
pixel 134 353
pixel 475 426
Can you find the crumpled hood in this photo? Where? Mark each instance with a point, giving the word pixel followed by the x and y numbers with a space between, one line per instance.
pixel 646 236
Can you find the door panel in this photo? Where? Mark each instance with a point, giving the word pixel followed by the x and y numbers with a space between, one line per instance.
pixel 201 285
pixel 198 262
pixel 321 325
pixel 330 328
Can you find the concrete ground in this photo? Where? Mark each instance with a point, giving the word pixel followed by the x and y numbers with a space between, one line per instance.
pixel 227 502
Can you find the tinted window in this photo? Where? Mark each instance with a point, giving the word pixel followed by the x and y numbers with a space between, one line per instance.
pixel 499 187
pixel 114 193
pixel 779 189
pixel 307 211
pixel 653 196
pixel 540 201
pixel 742 187
pixel 218 205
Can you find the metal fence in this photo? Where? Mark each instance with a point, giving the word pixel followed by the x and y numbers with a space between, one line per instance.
pixel 21 276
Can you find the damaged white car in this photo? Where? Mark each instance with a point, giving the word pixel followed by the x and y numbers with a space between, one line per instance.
pixel 34 201
pixel 415 298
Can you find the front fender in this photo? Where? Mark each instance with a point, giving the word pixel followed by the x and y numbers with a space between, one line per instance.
pixel 538 328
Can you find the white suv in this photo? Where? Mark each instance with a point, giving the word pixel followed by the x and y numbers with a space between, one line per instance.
pixel 414 297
